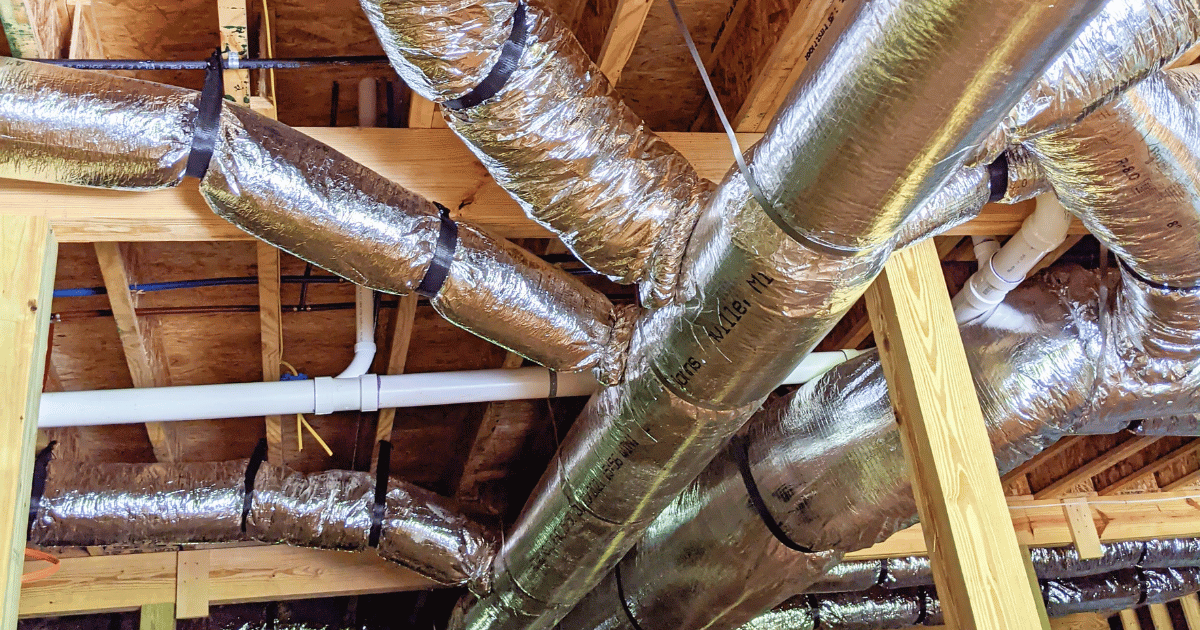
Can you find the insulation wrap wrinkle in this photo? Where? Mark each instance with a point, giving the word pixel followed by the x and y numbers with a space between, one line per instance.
pixel 892 86
pixel 177 503
pixel 1126 42
pixel 441 49
pixel 580 162
pixel 959 200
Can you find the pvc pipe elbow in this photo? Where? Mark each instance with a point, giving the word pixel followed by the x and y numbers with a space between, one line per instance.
pixel 364 354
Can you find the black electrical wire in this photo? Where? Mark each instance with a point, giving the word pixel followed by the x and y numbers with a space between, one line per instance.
pixel 242 64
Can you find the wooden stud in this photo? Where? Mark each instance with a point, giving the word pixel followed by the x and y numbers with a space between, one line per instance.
pixel 28 253
pixel 144 353
pixel 467 484
pixel 976 561
pixel 157 617
pixel 270 322
pixel 1160 617
pixel 85 35
pixel 191 584
pixel 1049 454
pixel 237 575
pixel 1191 611
pixel 1084 621
pixel 1129 620
pixel 235 37
pixel 1083 528
pixel 1034 586
pixel 622 36
pixel 1096 466
pixel 1149 470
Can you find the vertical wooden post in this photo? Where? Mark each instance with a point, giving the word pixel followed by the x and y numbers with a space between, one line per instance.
pixel 1191 611
pixel 1160 617
pixel 157 617
pixel 28 253
pixel 977 563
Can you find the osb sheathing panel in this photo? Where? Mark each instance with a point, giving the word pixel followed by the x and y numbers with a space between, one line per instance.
pixel 1071 459
pixel 1137 461
pixel 661 82
pixel 87 355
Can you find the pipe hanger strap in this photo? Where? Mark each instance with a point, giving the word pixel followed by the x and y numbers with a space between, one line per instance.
pixel 510 54
pixel 443 255
pixel 208 119
pixel 740 448
pixel 382 472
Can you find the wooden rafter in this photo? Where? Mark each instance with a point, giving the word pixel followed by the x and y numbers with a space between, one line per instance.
pixel 140 341
pixel 622 36
pixel 397 358
pixel 28 254
pixel 1096 466
pixel 1149 470
pixel 958 494
pixel 468 484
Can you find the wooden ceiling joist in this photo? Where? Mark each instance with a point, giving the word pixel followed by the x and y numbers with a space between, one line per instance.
pixel 1148 471
pixel 235 575
pixel 36 29
pixel 443 170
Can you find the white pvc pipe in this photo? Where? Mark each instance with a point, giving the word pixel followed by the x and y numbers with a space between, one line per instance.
pixel 1007 268
pixel 364 327
pixel 328 395
pixel 367 99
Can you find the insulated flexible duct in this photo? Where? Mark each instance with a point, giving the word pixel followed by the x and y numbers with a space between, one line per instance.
pixel 882 609
pixel 72 127
pixel 553 134
pixel 751 296
pixel 177 503
pixel 1050 361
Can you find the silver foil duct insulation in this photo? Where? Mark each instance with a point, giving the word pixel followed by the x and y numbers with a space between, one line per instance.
pixel 177 503
pixel 1110 591
pixel 1025 177
pixel 849 577
pixel 959 200
pixel 1126 42
pixel 1188 424
pixel 892 86
pixel 585 166
pixel 750 296
pixel 74 127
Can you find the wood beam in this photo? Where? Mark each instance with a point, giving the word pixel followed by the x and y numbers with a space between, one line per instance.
pixel 622 36
pixel 141 343
pixel 1153 468
pixel 270 324
pixel 191 584
pixel 28 253
pixel 1043 523
pixel 1160 618
pixel 444 170
pixel 1084 473
pixel 157 617
pixel 1183 482
pixel 467 485
pixel 85 34
pixel 1051 453
pixel 235 575
pixel 35 28
pixel 1129 620
pixel 976 560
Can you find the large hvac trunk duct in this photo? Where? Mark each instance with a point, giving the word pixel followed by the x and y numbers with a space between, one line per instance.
pixel 881 609
pixel 86 129
pixel 902 96
pixel 177 503
pixel 1051 361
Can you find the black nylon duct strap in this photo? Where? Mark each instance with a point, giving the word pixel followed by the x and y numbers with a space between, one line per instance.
pixel 443 255
pixel 741 454
pixel 208 119
pixel 621 596
pixel 922 595
pixel 382 472
pixel 39 483
pixel 553 384
pixel 883 573
pixel 998 178
pixel 814 605
pixel 1141 580
pixel 256 460
pixel 510 54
